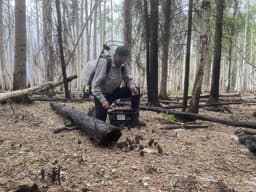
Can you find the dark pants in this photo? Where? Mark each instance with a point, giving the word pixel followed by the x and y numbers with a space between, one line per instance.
pixel 123 92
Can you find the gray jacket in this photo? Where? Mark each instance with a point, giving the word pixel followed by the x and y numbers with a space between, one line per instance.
pixel 103 83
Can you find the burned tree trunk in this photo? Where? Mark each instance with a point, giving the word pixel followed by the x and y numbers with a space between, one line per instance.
pixel 98 130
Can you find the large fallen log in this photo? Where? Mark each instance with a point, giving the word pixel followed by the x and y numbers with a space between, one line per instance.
pixel 31 90
pixel 247 138
pixel 99 131
pixel 193 116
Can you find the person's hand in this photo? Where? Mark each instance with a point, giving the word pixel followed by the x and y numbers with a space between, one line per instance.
pixel 134 90
pixel 105 104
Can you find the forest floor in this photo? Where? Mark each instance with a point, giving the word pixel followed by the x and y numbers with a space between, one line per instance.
pixel 202 159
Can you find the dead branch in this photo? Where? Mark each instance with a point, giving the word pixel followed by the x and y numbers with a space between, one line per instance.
pixel 58 130
pixel 184 126
pixel 193 116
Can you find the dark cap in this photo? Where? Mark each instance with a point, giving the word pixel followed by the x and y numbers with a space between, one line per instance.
pixel 122 51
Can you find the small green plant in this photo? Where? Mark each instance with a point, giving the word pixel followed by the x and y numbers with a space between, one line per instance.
pixel 170 117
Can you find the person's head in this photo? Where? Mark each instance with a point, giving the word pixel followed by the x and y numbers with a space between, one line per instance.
pixel 121 54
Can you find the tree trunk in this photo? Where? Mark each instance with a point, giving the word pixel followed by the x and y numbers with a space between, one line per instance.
pixel 20 45
pixel 63 65
pixel 95 34
pixel 187 64
pixel 153 62
pixel 88 29
pixel 3 71
pixel 101 30
pixel 10 47
pixel 75 31
pixel 165 48
pixel 147 33
pixel 127 9
pixel 194 103
pixel 104 15
pixel 98 130
pixel 214 93
pixel 230 50
pixel 40 75
pixel 112 20
pixel 1 47
pixel 243 66
pixel 48 43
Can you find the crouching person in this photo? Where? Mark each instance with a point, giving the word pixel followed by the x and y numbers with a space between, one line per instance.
pixel 106 85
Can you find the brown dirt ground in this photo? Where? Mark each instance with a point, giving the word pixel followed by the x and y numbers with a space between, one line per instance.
pixel 208 159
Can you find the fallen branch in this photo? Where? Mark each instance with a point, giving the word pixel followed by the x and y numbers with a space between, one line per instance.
pixel 98 130
pixel 58 130
pixel 31 90
pixel 69 79
pixel 193 116
pixel 184 126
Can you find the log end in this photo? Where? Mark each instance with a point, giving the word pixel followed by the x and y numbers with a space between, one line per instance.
pixel 111 138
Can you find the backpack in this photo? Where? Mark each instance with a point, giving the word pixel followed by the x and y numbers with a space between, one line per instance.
pixel 89 68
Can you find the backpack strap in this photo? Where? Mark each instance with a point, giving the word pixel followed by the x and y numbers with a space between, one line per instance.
pixel 122 69
pixel 109 63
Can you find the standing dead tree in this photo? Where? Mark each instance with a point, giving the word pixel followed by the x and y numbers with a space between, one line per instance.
pixel 187 64
pixel 63 65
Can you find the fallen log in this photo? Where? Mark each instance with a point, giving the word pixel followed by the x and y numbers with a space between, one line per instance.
pixel 179 106
pixel 193 116
pixel 18 93
pixel 206 95
pixel 99 131
pixel 247 138
pixel 31 90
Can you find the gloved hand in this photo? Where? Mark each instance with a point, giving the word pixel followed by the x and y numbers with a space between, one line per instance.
pixel 134 90
pixel 105 104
